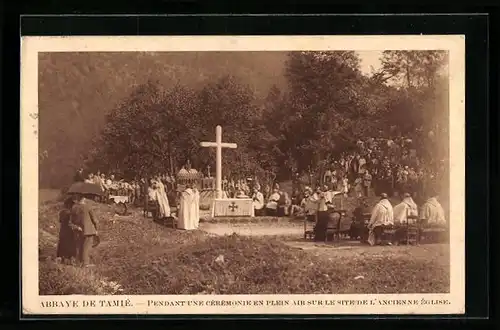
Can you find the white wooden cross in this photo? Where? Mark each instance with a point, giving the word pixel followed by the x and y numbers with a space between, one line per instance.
pixel 218 144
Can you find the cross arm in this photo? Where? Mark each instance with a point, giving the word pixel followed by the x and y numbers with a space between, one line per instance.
pixel 229 145
pixel 208 144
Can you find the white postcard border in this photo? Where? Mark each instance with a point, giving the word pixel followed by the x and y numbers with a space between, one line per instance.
pixel 33 303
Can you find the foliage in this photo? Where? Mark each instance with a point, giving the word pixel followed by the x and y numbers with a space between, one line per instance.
pixel 154 132
pixel 77 91
pixel 156 124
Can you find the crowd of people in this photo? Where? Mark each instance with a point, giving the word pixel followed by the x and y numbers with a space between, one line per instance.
pixel 383 165
pixel 157 188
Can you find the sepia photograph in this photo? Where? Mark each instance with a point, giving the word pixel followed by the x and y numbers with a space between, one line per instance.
pixel 286 175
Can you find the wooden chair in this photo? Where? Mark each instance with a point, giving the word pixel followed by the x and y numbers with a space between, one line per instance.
pixel 170 222
pixel 309 228
pixel 432 233
pixel 344 224
pixel 151 207
pixel 333 227
pixel 388 233
pixel 412 230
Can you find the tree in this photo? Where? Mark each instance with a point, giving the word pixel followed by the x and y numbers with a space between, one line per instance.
pixel 422 98
pixel 328 106
pixel 139 136
pixel 232 105
pixel 154 132
pixel 411 68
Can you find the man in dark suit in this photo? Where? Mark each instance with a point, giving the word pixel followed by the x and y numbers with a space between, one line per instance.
pixel 354 168
pixel 79 176
pixel 85 223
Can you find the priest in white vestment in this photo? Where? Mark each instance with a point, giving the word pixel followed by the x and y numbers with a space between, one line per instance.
pixel 189 212
pixel 258 201
pixel 196 206
pixel 407 208
pixel 161 197
pixel 382 215
pixel 433 213
pixel 272 204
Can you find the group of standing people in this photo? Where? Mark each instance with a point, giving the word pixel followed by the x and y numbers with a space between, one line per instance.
pixel 383 165
pixel 78 230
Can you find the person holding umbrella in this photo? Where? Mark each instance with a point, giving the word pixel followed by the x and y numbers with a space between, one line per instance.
pixel 84 221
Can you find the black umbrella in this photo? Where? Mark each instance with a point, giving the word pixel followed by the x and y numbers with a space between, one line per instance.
pixel 85 189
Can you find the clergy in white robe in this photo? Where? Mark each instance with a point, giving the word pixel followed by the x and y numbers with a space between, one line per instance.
pixel 328 195
pixel 258 201
pixel 152 196
pixel 407 208
pixel 382 215
pixel 310 205
pixel 188 209
pixel 272 204
pixel 433 213
pixel 196 206
pixel 161 197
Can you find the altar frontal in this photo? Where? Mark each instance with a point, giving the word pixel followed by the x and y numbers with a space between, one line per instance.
pixel 233 207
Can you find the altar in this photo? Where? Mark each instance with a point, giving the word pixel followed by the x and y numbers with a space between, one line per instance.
pixel 226 207
pixel 232 207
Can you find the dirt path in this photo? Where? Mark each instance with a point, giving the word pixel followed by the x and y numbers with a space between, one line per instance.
pixel 292 235
pixel 252 229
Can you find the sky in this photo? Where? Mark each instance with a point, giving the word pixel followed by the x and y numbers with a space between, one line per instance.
pixel 369 58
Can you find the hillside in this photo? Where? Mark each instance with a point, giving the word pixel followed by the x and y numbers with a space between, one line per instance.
pixel 77 90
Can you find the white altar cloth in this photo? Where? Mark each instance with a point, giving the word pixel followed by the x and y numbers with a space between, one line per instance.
pixel 233 207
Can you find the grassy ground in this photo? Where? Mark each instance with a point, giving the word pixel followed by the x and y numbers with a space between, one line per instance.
pixel 137 256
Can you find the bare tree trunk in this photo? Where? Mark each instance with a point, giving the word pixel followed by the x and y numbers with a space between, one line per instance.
pixel 408 74
pixel 170 158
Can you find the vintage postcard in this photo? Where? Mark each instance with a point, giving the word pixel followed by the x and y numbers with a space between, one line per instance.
pixel 243 175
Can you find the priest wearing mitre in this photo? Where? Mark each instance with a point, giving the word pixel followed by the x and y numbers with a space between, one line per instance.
pixel 406 211
pixel 382 215
pixel 189 208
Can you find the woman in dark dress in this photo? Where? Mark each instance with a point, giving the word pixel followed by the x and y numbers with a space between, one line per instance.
pixel 66 247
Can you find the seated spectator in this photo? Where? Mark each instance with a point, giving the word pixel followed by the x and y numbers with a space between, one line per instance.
pixel 405 211
pixel 432 213
pixel 382 216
